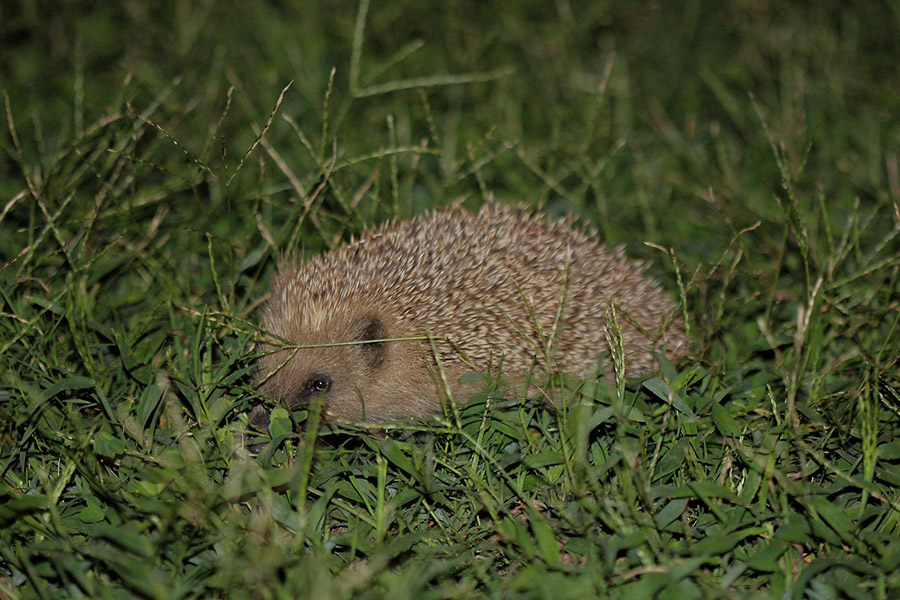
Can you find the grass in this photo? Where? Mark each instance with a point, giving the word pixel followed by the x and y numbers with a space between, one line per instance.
pixel 157 162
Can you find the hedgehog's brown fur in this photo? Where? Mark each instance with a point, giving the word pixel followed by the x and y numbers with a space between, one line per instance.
pixel 499 283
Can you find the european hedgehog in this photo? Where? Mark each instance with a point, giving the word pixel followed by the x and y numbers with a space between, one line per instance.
pixel 384 326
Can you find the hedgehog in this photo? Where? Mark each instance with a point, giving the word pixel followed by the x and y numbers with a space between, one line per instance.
pixel 383 327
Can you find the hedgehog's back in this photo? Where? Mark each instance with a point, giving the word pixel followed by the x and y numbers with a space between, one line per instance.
pixel 502 282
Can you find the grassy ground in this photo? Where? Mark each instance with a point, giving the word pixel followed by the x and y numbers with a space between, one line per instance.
pixel 158 158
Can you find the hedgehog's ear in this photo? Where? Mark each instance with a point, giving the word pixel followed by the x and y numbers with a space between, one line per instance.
pixel 369 328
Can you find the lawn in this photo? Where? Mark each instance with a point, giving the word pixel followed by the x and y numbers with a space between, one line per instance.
pixel 159 158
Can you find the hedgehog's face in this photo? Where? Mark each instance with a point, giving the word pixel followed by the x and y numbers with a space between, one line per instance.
pixel 348 364
pixel 337 363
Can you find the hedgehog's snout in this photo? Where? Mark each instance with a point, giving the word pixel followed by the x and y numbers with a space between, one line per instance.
pixel 317 384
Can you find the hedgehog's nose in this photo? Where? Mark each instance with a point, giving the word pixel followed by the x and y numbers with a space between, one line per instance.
pixel 259 420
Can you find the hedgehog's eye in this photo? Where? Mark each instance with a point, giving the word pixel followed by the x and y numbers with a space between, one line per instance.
pixel 317 384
